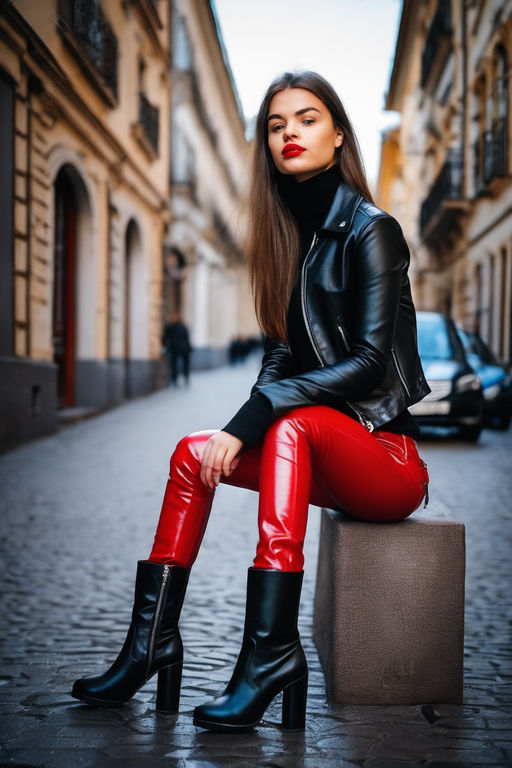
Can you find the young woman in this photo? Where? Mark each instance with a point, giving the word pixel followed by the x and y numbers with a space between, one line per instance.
pixel 326 422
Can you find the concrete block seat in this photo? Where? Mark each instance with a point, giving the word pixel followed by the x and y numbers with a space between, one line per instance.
pixel 389 610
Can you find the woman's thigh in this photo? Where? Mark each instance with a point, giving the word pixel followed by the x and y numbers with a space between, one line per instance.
pixel 372 476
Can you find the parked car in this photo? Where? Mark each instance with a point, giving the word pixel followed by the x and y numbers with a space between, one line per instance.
pixel 496 380
pixel 456 399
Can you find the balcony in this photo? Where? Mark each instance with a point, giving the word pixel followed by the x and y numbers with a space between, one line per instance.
pixel 444 202
pixel 437 44
pixel 89 36
pixel 491 158
pixel 495 152
pixel 147 128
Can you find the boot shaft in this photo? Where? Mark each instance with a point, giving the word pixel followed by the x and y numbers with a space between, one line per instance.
pixel 159 594
pixel 273 599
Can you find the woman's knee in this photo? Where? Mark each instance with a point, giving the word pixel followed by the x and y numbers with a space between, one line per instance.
pixel 190 449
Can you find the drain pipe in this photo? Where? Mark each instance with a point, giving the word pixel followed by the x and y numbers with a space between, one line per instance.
pixel 465 166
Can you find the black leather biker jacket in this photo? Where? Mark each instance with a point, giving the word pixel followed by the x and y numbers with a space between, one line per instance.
pixel 358 311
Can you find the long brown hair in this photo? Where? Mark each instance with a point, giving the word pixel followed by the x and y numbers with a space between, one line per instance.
pixel 273 243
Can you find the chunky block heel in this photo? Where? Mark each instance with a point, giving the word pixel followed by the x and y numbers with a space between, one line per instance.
pixel 271 659
pixel 169 687
pixel 294 705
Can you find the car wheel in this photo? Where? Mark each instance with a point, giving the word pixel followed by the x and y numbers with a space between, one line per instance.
pixel 471 434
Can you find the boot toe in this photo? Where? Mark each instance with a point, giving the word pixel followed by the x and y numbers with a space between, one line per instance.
pixel 89 690
pixel 207 717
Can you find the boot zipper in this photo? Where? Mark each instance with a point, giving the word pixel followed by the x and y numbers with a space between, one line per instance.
pixel 155 625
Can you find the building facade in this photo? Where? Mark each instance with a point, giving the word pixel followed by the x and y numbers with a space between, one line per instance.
pixel 446 171
pixel 206 275
pixel 93 255
pixel 86 88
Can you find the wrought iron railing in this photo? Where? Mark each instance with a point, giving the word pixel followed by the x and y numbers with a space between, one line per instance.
pixel 447 186
pixel 495 151
pixel 440 26
pixel 491 156
pixel 86 22
pixel 149 120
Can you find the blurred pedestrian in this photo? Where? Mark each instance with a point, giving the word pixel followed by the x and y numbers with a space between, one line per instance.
pixel 326 421
pixel 177 345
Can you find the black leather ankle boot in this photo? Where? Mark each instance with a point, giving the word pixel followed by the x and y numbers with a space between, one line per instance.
pixel 271 659
pixel 153 643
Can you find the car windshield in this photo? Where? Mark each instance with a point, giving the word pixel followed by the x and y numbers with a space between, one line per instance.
pixel 433 340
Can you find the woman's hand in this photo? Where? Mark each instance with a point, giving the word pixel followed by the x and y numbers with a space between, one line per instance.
pixel 219 458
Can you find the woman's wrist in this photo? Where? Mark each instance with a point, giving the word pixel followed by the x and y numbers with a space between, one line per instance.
pixel 251 421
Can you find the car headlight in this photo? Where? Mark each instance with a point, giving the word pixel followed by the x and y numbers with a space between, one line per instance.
pixel 491 392
pixel 468 383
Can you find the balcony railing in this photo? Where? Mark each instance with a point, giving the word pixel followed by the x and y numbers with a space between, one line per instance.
pixel 491 156
pixel 87 31
pixel 447 187
pixel 495 152
pixel 149 120
pixel 440 28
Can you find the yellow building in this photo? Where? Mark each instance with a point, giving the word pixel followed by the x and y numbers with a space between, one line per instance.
pixel 446 172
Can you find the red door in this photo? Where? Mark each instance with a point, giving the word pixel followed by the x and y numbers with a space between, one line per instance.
pixel 64 288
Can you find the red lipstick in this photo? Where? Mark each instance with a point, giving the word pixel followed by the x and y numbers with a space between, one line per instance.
pixel 292 150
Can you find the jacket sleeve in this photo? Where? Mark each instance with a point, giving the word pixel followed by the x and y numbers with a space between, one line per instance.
pixel 381 258
pixel 276 364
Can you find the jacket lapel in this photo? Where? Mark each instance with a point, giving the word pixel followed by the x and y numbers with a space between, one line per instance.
pixel 341 213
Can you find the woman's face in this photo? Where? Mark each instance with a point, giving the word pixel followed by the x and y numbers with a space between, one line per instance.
pixel 301 136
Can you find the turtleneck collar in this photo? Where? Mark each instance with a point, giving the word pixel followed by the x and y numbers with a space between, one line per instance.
pixel 311 199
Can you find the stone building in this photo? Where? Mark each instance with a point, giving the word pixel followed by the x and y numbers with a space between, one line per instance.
pixel 206 275
pixel 85 86
pixel 446 171
pixel 92 255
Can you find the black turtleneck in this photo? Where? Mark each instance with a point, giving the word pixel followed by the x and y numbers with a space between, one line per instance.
pixel 309 201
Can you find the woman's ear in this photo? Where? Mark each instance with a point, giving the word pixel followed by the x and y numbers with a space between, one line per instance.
pixel 339 138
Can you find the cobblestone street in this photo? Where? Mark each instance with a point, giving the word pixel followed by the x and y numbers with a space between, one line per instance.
pixel 80 507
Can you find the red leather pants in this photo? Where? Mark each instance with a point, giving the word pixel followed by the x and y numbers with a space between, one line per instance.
pixel 311 455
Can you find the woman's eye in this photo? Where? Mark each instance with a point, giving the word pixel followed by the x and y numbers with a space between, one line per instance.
pixel 276 127
pixel 308 121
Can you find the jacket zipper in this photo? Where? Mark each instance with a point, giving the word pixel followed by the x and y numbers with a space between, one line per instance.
pixel 399 370
pixel 365 422
pixel 425 485
pixel 303 301
pixel 155 626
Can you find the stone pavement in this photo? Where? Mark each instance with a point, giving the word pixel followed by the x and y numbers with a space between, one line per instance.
pixel 79 508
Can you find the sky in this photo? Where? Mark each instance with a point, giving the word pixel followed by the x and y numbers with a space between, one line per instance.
pixel 349 42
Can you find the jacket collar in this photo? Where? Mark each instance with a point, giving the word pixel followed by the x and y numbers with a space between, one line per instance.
pixel 343 208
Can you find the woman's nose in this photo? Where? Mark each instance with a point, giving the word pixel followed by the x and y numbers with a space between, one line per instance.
pixel 290 132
